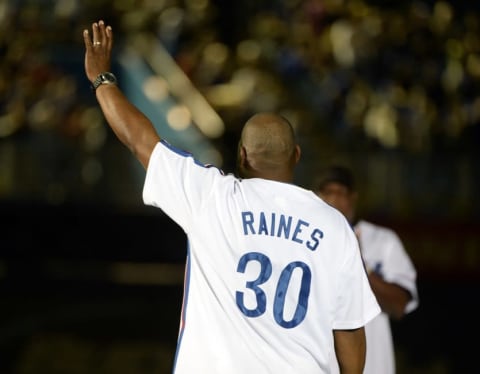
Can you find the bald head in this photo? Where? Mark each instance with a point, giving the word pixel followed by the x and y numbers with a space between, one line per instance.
pixel 267 148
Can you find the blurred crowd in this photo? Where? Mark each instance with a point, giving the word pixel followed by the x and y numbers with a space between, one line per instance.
pixel 389 87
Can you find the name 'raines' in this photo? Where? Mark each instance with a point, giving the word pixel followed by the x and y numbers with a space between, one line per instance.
pixel 281 226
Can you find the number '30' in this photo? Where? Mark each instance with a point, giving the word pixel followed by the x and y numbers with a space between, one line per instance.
pixel 281 289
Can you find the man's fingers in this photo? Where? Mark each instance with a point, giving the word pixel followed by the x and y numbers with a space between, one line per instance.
pixel 102 34
pixel 86 39
pixel 109 37
pixel 96 34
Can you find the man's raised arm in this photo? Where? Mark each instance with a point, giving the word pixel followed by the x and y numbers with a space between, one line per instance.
pixel 130 125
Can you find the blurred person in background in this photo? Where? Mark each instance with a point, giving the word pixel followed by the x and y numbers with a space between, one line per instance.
pixel 390 270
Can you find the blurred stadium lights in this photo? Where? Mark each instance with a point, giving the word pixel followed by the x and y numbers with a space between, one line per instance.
pixel 158 87
pixel 162 63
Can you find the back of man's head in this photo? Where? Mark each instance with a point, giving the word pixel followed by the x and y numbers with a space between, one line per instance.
pixel 267 148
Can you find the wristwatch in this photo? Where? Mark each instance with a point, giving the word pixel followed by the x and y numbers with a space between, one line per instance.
pixel 104 78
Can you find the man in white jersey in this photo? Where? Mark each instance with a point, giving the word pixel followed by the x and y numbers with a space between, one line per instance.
pixel 390 270
pixel 274 278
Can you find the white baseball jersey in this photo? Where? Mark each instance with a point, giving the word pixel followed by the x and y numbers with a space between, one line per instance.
pixel 384 253
pixel 271 270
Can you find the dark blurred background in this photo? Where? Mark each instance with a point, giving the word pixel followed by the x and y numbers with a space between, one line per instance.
pixel 91 280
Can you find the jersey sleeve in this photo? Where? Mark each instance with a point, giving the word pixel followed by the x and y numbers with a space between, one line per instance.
pixel 398 268
pixel 356 302
pixel 177 183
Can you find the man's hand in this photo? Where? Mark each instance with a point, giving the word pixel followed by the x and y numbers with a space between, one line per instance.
pixel 98 49
pixel 130 125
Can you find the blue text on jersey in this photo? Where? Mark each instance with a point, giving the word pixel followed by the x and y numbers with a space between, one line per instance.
pixel 281 226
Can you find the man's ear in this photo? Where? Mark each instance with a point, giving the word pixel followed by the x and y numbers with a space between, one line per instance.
pixel 242 161
pixel 298 153
pixel 242 155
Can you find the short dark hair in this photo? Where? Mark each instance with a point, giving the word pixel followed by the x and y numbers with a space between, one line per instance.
pixel 335 174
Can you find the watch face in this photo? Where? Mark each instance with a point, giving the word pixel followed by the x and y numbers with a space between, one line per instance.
pixel 104 78
pixel 109 77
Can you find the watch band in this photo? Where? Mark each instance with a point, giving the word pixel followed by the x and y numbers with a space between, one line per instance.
pixel 103 78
